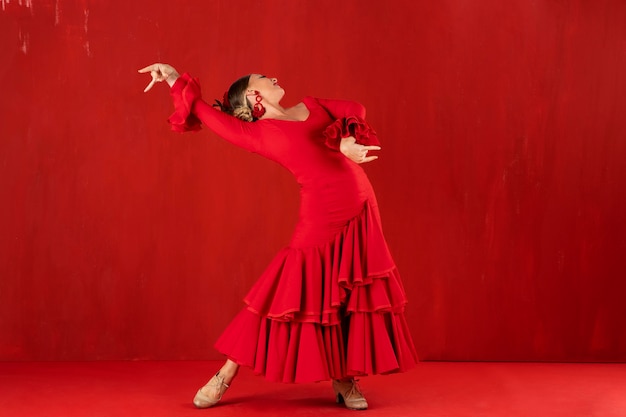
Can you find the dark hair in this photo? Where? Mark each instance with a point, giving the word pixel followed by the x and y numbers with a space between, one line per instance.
pixel 235 102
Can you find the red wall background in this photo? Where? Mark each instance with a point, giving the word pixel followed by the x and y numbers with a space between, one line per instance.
pixel 502 180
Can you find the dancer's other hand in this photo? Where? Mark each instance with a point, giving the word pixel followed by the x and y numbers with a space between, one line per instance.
pixel 160 73
pixel 356 152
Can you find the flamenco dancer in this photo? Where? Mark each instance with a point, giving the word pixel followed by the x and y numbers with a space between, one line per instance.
pixel 330 306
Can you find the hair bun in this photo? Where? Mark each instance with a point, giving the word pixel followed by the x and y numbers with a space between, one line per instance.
pixel 244 113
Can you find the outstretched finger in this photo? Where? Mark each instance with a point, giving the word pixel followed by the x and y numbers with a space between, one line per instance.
pixel 150 85
pixel 371 148
pixel 148 68
pixel 368 159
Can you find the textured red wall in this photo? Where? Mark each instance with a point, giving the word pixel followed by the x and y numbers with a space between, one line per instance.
pixel 501 182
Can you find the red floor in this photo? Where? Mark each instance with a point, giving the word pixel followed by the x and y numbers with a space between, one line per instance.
pixel 433 389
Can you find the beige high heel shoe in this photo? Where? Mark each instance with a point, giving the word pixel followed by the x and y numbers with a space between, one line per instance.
pixel 350 394
pixel 211 393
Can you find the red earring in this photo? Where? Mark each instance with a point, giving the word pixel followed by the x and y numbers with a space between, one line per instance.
pixel 258 109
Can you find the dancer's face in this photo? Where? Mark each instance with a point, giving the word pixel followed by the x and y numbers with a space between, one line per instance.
pixel 268 88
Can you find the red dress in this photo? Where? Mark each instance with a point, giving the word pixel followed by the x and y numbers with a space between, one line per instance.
pixel 330 304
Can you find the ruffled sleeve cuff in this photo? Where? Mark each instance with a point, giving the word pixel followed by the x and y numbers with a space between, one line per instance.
pixel 350 126
pixel 184 92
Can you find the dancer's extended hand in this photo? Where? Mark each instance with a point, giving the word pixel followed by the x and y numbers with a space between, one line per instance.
pixel 160 73
pixel 357 152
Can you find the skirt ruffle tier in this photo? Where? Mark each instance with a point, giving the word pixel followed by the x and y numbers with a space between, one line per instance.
pixel 325 312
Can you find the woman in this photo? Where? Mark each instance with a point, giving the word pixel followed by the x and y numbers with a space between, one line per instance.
pixel 331 304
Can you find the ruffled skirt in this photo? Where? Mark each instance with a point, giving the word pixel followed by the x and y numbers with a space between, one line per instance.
pixel 328 311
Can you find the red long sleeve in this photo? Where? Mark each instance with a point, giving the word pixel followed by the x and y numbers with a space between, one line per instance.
pixel 342 108
pixel 190 110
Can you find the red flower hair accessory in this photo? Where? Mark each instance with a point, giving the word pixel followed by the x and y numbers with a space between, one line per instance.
pixel 224 105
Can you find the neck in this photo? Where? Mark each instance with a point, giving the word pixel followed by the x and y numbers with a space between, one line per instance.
pixel 275 111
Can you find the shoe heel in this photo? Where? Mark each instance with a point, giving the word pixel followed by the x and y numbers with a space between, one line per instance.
pixel 349 394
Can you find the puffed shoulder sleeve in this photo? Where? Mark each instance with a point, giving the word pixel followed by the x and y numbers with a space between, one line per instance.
pixel 190 112
pixel 349 121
